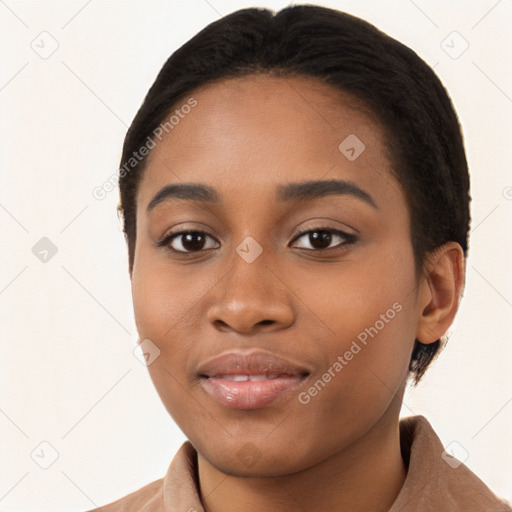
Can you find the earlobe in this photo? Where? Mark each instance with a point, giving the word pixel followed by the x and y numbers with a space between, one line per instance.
pixel 440 291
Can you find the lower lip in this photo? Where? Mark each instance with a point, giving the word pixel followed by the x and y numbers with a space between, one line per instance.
pixel 248 395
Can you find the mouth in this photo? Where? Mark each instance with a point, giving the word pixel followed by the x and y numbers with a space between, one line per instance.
pixel 248 381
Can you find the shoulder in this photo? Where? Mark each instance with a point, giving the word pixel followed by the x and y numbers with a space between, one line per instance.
pixel 147 499
pixel 435 479
pixel 178 487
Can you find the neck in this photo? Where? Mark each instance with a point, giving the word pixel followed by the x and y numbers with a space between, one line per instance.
pixel 365 476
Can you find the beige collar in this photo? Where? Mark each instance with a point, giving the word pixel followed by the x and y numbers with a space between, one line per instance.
pixel 432 483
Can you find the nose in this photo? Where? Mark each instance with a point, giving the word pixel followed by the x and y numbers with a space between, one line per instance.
pixel 251 297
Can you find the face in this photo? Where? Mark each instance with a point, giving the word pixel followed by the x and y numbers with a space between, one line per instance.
pixel 284 311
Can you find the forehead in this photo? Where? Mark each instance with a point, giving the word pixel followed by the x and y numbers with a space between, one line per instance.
pixel 259 130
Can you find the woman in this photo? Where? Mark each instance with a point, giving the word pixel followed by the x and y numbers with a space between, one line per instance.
pixel 295 198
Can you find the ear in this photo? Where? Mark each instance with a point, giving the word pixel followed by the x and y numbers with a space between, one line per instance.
pixel 440 291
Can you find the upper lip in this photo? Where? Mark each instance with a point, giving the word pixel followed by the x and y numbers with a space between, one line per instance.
pixel 250 363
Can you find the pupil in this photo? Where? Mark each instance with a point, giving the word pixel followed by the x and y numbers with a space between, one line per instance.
pixel 193 241
pixel 323 238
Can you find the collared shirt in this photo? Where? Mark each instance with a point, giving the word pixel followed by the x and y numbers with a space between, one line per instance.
pixel 435 481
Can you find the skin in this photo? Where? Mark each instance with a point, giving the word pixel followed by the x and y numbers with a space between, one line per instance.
pixel 244 138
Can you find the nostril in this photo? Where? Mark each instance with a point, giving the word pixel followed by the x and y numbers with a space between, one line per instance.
pixel 221 324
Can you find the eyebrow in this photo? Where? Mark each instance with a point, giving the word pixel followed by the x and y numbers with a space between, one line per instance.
pixel 307 190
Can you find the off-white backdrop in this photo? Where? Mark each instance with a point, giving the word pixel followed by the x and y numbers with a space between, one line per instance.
pixel 72 75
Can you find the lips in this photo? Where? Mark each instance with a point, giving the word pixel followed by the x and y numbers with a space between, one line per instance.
pixel 242 380
pixel 251 364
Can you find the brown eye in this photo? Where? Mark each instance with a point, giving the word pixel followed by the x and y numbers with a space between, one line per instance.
pixel 322 238
pixel 189 241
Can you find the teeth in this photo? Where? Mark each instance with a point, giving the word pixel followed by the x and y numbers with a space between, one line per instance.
pixel 244 378
pixel 236 378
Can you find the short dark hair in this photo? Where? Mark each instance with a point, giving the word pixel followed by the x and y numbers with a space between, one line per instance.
pixel 350 54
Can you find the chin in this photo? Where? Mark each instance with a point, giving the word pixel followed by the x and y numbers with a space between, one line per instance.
pixel 258 459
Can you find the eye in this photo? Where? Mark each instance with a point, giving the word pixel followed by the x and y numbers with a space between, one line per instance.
pixel 188 241
pixel 318 239
pixel 321 238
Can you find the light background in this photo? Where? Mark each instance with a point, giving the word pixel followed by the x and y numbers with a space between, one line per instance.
pixel 67 373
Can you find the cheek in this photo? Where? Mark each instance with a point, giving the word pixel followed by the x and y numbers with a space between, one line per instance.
pixel 368 363
pixel 150 302
pixel 165 313
pixel 168 311
pixel 370 309
pixel 164 300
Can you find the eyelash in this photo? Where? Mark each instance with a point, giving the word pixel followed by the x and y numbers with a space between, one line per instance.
pixel 349 238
